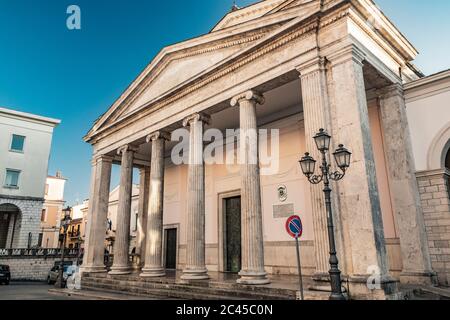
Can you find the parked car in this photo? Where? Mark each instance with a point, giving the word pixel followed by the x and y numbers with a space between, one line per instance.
pixel 5 274
pixel 53 274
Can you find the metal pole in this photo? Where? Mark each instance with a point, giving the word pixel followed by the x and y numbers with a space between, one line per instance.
pixel 335 273
pixel 60 282
pixel 299 268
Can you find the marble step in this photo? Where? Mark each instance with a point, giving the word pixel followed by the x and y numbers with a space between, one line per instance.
pixel 182 292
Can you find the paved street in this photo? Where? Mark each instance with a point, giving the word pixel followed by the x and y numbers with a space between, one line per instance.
pixel 30 291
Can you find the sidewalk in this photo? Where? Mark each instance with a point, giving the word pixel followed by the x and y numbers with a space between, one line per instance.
pixel 100 295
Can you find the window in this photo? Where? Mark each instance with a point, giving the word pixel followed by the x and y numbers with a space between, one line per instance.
pixel 44 215
pixel 17 143
pixel 40 240
pixel 12 178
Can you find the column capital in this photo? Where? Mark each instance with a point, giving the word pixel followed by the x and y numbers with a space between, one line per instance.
pixel 203 117
pixel 127 148
pixel 392 90
pixel 313 65
pixel 101 157
pixel 347 53
pixel 158 135
pixel 250 95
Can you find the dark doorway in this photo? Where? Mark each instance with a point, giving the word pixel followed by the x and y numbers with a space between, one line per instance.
pixel 4 226
pixel 171 248
pixel 233 234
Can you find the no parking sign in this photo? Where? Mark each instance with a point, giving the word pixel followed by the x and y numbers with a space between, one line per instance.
pixel 294 228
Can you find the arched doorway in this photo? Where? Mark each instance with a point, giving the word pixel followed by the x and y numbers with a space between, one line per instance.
pixel 9 218
pixel 447 160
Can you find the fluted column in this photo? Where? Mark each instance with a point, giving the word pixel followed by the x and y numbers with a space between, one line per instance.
pixel 251 213
pixel 153 254
pixel 364 246
pixel 144 190
pixel 195 250
pixel 121 263
pixel 94 250
pixel 316 111
pixel 404 188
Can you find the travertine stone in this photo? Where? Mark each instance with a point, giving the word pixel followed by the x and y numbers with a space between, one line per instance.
pixel 252 272
pixel 153 254
pixel 404 188
pixel 93 260
pixel 316 111
pixel 434 188
pixel 121 264
pixel 144 191
pixel 195 251
pixel 361 229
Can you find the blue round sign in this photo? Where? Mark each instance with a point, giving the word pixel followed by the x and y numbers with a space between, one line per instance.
pixel 294 227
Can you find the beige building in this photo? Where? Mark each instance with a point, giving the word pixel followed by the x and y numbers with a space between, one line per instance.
pixel 288 68
pixel 52 211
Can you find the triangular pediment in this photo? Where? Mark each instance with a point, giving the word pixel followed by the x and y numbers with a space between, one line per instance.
pixel 179 68
pixel 179 65
pixel 175 66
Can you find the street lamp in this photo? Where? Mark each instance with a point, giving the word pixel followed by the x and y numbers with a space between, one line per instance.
pixel 342 157
pixel 65 222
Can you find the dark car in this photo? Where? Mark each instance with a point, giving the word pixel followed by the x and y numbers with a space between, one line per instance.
pixel 5 275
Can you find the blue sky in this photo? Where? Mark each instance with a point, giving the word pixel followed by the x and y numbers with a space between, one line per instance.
pixel 76 75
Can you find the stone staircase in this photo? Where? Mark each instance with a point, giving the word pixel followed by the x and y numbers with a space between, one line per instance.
pixel 199 290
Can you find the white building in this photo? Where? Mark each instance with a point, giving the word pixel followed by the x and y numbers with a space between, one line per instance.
pixel 428 108
pixel 25 143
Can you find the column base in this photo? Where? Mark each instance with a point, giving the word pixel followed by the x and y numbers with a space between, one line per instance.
pixel 93 269
pixel 253 278
pixel 195 274
pixel 385 289
pixel 321 277
pixel 426 278
pixel 153 272
pixel 117 271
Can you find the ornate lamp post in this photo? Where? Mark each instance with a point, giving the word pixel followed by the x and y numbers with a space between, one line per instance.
pixel 65 222
pixel 342 157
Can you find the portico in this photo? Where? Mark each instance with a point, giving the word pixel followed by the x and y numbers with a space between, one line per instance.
pixel 291 68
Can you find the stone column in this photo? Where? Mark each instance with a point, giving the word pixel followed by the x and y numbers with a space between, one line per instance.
pixel 144 190
pixel 121 263
pixel 364 248
pixel 195 250
pixel 316 111
pixel 404 187
pixel 153 254
pixel 252 272
pixel 94 249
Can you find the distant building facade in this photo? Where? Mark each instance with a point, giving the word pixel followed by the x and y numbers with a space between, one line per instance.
pixel 52 211
pixel 25 144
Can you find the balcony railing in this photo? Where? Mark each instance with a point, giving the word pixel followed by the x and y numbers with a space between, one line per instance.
pixel 44 253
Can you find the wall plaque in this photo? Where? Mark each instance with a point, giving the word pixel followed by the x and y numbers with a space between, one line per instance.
pixel 283 210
